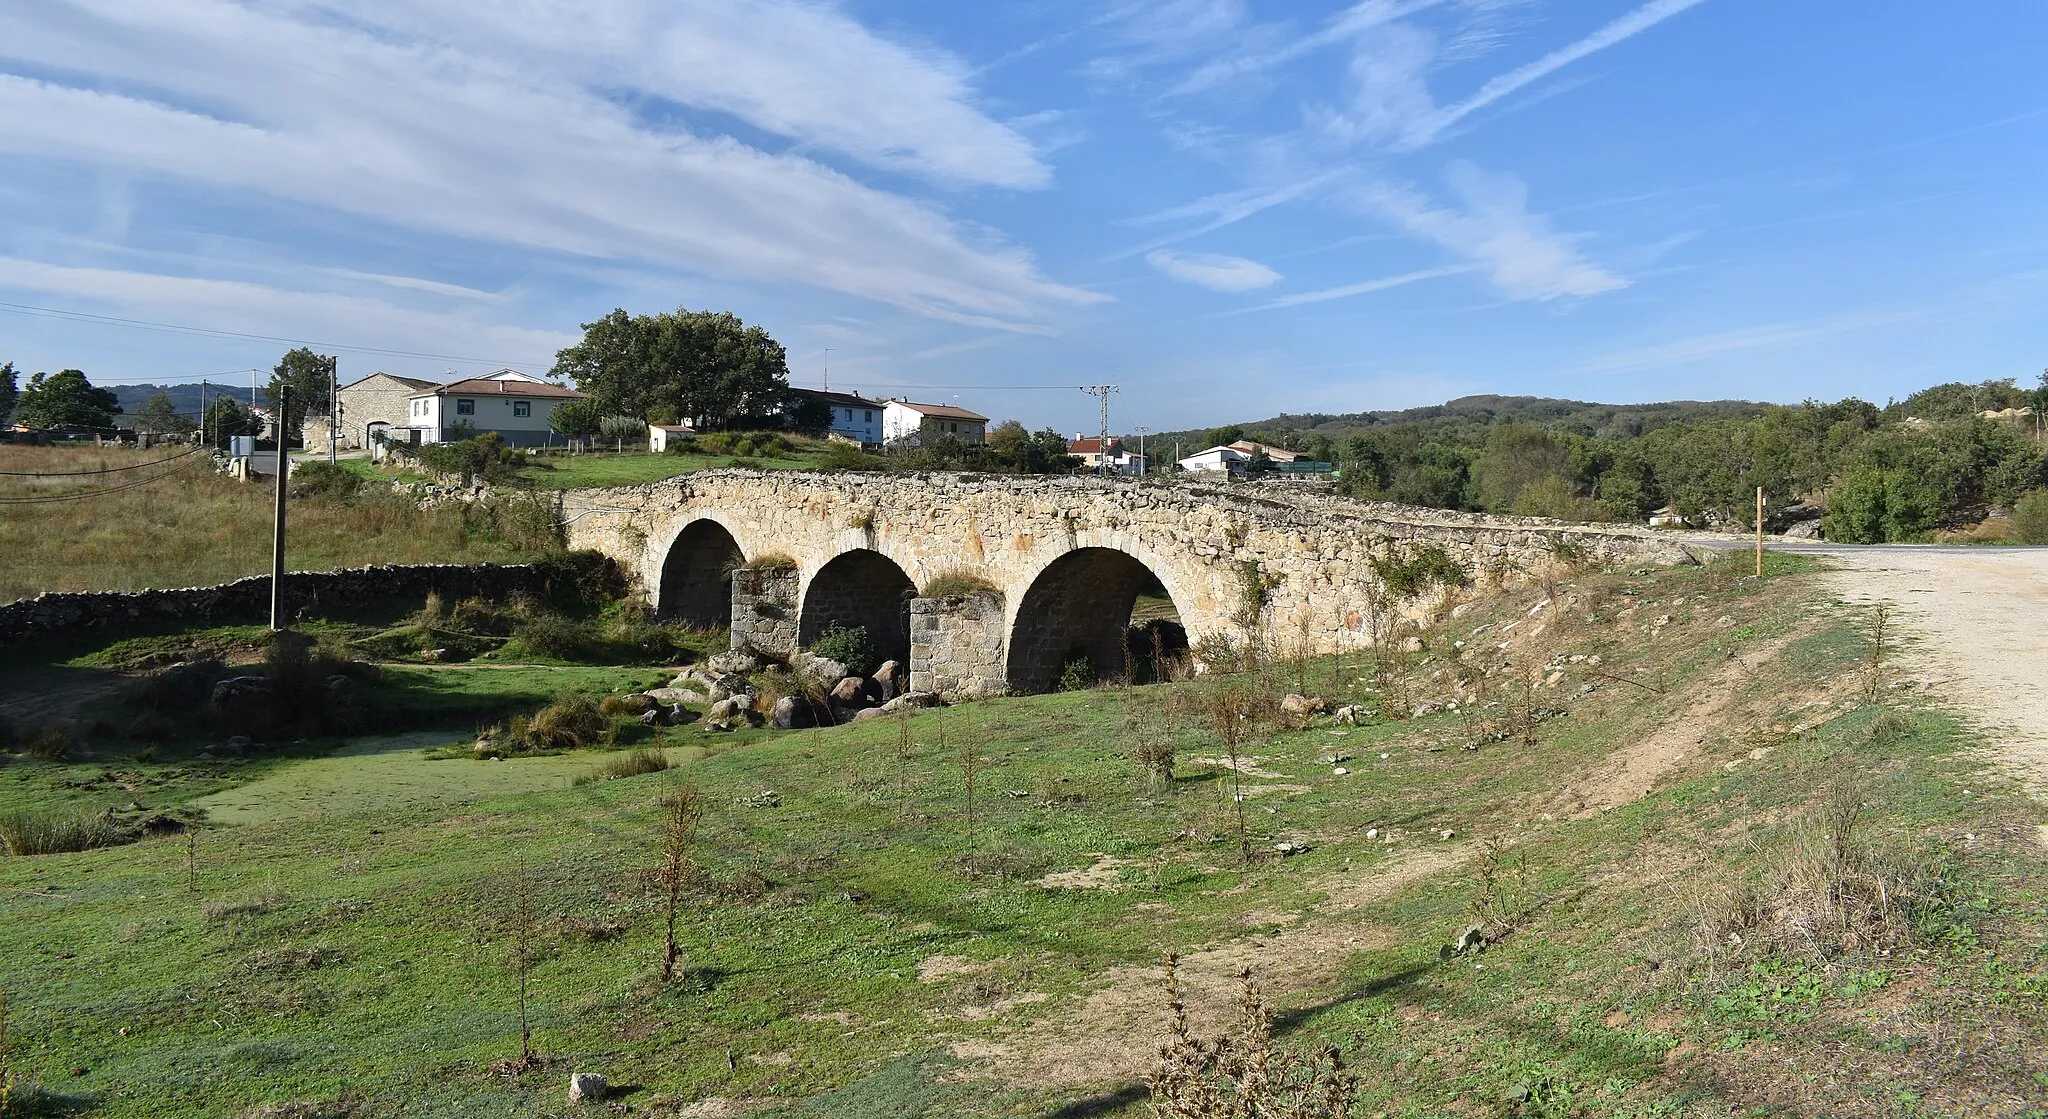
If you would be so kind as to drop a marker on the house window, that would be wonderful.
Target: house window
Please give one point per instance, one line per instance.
(465, 407)
(866, 417)
(522, 407)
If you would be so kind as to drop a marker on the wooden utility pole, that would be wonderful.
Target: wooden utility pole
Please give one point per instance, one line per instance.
(277, 523)
(1759, 531)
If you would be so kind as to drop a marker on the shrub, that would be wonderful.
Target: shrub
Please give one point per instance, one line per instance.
(51, 741)
(958, 581)
(484, 458)
(846, 456)
(50, 833)
(562, 638)
(327, 481)
(581, 578)
(849, 646)
(2029, 524)
(1076, 672)
(571, 722)
(1423, 567)
(638, 763)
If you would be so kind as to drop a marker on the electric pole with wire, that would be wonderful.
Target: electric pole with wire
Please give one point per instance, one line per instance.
(277, 525)
(1144, 464)
(1101, 392)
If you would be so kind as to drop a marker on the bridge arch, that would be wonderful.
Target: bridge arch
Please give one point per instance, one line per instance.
(1081, 604)
(696, 574)
(860, 587)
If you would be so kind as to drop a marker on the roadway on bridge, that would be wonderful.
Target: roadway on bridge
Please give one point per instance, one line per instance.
(1977, 622)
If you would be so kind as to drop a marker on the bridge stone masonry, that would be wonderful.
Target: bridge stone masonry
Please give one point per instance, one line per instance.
(1036, 570)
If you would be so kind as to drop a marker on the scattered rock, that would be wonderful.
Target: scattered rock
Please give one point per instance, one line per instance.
(1301, 706)
(652, 717)
(1290, 847)
(726, 687)
(680, 715)
(1339, 771)
(236, 688)
(817, 671)
(1372, 833)
(1353, 714)
(792, 713)
(1588, 689)
(586, 1087)
(675, 694)
(766, 798)
(635, 703)
(886, 678)
(1334, 759)
(1427, 708)
(864, 715)
(733, 662)
(1411, 644)
(913, 701)
(1662, 621)
(1447, 834)
(851, 691)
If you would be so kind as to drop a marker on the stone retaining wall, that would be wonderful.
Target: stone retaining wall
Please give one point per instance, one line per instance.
(327, 593)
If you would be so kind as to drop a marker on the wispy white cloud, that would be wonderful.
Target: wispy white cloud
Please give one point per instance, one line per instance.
(1346, 24)
(1213, 270)
(414, 283)
(1494, 229)
(239, 305)
(1348, 290)
(1391, 64)
(516, 131)
(1628, 26)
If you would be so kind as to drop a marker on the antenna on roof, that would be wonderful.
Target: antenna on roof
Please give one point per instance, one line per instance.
(828, 367)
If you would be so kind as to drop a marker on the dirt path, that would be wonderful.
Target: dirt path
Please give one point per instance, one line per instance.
(1974, 622)
(1092, 1044)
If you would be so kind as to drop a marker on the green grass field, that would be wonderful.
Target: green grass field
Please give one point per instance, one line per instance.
(869, 941)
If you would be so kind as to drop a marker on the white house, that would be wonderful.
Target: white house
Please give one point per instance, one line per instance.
(1120, 459)
(659, 436)
(1216, 460)
(903, 419)
(514, 405)
(853, 417)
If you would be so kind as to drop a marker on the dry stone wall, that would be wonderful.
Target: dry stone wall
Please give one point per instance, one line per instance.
(1204, 542)
(328, 593)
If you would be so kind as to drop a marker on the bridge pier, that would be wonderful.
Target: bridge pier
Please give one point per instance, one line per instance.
(764, 610)
(956, 645)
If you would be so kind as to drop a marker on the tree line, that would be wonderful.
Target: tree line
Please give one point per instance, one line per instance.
(1939, 459)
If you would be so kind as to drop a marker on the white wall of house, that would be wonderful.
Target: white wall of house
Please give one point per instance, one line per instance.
(660, 435)
(522, 420)
(861, 424)
(1215, 460)
(900, 419)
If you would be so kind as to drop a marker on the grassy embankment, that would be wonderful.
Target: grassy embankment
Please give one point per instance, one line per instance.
(869, 940)
(192, 527)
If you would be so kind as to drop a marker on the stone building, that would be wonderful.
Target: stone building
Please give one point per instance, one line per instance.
(377, 401)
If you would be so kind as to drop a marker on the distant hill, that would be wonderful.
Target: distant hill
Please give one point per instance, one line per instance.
(185, 398)
(1575, 417)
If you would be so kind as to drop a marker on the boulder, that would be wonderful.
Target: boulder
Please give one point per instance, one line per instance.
(852, 692)
(1804, 530)
(728, 687)
(236, 688)
(652, 717)
(885, 679)
(817, 671)
(1353, 714)
(733, 662)
(911, 701)
(586, 1087)
(636, 703)
(679, 715)
(792, 713)
(1300, 706)
(1411, 644)
(865, 714)
(673, 695)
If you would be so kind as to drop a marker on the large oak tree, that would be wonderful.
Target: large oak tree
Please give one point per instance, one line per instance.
(704, 367)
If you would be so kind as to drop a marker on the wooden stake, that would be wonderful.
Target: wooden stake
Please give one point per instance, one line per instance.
(1759, 532)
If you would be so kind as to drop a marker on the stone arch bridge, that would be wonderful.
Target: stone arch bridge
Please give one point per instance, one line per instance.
(992, 583)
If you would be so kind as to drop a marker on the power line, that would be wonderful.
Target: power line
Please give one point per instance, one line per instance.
(103, 470)
(236, 335)
(81, 496)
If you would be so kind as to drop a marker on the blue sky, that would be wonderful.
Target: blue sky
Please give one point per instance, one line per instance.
(1229, 208)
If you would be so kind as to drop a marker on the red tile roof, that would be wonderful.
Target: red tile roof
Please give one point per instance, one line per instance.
(1088, 447)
